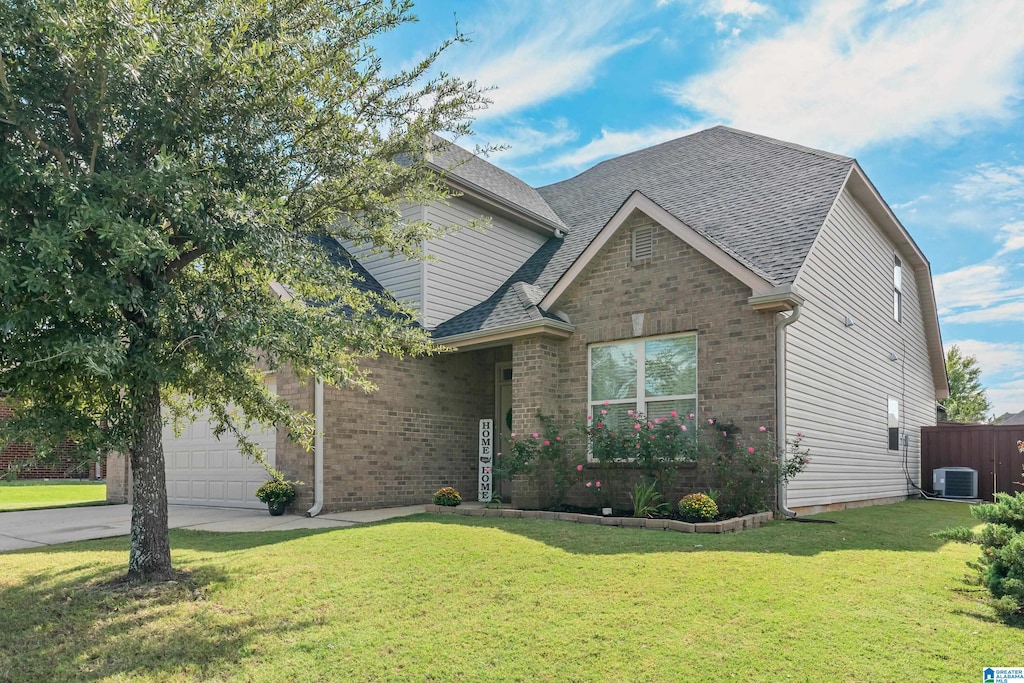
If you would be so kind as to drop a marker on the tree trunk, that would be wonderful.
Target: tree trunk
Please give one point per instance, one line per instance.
(150, 557)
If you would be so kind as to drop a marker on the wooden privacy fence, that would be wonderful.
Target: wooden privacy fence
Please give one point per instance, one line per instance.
(989, 449)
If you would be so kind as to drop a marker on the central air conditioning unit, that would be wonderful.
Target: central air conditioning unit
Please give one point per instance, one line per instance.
(955, 482)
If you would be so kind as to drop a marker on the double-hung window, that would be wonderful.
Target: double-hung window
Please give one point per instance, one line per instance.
(653, 376)
(894, 424)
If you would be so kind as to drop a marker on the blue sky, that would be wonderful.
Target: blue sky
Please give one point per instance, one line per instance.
(927, 95)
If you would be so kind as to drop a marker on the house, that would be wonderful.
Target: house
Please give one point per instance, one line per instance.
(1008, 419)
(768, 283)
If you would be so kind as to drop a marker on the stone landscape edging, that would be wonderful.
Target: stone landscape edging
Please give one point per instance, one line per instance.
(724, 526)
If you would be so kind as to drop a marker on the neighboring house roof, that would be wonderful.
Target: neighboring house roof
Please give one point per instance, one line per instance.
(759, 200)
(339, 256)
(478, 176)
(1017, 419)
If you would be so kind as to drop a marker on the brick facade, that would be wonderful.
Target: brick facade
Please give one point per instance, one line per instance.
(416, 433)
(677, 290)
(18, 459)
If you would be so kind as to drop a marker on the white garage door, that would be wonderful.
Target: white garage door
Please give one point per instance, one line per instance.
(204, 471)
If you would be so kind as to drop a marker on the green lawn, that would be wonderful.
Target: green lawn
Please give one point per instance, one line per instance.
(27, 494)
(432, 598)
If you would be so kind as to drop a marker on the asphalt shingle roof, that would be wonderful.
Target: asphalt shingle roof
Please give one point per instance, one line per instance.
(464, 165)
(760, 200)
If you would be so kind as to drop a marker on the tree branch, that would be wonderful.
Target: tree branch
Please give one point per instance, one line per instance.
(51, 150)
(69, 108)
(178, 264)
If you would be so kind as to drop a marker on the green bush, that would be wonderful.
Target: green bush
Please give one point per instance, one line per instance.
(647, 500)
(747, 470)
(448, 497)
(548, 457)
(698, 507)
(276, 491)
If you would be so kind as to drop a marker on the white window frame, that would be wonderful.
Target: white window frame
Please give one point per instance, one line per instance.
(640, 401)
(888, 423)
(897, 288)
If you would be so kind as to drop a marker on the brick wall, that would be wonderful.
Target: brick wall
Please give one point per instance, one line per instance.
(18, 457)
(417, 433)
(678, 290)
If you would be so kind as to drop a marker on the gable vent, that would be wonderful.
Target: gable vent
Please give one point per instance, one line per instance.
(643, 243)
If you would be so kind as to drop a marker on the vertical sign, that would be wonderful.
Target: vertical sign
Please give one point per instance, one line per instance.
(486, 460)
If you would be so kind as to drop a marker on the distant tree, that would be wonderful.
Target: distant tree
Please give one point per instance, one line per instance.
(967, 401)
(166, 166)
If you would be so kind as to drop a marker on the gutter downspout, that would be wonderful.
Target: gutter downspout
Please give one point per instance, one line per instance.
(780, 399)
(318, 450)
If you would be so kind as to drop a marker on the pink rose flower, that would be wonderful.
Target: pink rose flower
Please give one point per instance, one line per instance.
(652, 437)
(579, 468)
(629, 412)
(690, 416)
(597, 484)
(600, 424)
(607, 403)
(604, 412)
(762, 429)
(683, 428)
(750, 450)
(589, 418)
(710, 421)
(535, 435)
(513, 435)
(589, 484)
(673, 413)
(558, 438)
(724, 433)
(546, 442)
(636, 426)
(799, 434)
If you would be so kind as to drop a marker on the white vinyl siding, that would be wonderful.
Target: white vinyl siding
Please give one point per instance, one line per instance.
(469, 265)
(839, 378)
(401, 276)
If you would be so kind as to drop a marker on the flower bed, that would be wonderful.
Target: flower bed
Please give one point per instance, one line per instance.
(725, 526)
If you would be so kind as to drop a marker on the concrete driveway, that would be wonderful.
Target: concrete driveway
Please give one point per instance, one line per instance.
(35, 528)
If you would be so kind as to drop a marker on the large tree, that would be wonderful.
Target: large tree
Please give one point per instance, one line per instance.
(166, 166)
(967, 401)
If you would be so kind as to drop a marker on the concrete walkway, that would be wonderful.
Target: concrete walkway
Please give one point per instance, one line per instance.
(36, 528)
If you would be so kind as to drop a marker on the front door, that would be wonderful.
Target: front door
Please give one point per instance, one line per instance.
(503, 419)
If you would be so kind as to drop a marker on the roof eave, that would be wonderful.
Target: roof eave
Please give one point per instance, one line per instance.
(499, 336)
(502, 205)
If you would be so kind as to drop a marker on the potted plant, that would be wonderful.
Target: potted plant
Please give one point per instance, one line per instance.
(277, 494)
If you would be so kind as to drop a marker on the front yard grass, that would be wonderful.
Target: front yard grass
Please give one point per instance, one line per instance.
(28, 494)
(432, 598)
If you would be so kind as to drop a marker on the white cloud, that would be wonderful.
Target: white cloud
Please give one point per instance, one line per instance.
(741, 8)
(847, 75)
(993, 183)
(522, 140)
(1012, 237)
(533, 53)
(1006, 397)
(614, 143)
(978, 286)
(993, 357)
(1008, 312)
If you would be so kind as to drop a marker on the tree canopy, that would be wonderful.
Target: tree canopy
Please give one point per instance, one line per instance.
(967, 401)
(169, 168)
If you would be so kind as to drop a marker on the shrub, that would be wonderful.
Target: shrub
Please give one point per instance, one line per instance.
(656, 445)
(697, 507)
(276, 490)
(747, 471)
(647, 500)
(447, 496)
(545, 455)
(1000, 569)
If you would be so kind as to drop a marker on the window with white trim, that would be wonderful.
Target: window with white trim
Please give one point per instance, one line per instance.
(654, 376)
(897, 289)
(894, 424)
